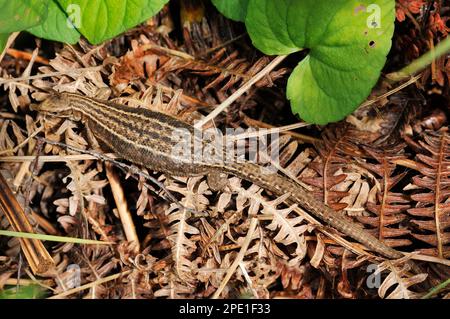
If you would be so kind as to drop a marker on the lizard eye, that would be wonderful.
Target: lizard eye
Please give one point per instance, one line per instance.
(55, 100)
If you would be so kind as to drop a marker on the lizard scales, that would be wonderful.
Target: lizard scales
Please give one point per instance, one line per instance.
(147, 138)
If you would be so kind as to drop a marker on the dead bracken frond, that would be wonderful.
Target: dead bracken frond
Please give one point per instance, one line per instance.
(335, 150)
(389, 208)
(287, 229)
(398, 282)
(385, 167)
(431, 191)
(182, 246)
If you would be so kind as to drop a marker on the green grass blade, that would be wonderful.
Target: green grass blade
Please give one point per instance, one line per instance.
(422, 62)
(436, 289)
(60, 239)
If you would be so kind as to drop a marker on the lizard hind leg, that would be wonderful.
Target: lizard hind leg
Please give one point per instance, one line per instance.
(92, 140)
(217, 181)
(94, 144)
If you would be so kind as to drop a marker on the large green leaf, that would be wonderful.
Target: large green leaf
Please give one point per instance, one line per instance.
(23, 292)
(233, 9)
(348, 42)
(18, 15)
(3, 39)
(56, 26)
(104, 19)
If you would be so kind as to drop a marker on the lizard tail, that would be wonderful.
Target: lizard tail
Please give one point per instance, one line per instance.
(280, 185)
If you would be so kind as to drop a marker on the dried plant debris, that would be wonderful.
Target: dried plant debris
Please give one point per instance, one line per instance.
(388, 207)
(385, 167)
(431, 192)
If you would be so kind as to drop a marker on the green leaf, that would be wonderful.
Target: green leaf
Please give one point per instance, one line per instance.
(99, 20)
(348, 42)
(232, 9)
(56, 26)
(18, 15)
(3, 40)
(23, 292)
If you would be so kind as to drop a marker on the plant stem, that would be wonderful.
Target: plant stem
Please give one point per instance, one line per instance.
(422, 62)
(436, 289)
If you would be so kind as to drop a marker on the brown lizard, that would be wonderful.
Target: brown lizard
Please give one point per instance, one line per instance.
(148, 138)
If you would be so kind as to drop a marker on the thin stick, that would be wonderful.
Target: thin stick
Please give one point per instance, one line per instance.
(267, 131)
(240, 91)
(393, 91)
(302, 137)
(239, 257)
(122, 206)
(176, 53)
(248, 279)
(431, 259)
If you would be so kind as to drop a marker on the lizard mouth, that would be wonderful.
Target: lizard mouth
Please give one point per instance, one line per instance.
(34, 107)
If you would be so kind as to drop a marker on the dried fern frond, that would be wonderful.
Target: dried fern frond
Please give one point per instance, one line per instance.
(182, 246)
(335, 151)
(288, 228)
(398, 282)
(431, 214)
(222, 71)
(388, 208)
(172, 288)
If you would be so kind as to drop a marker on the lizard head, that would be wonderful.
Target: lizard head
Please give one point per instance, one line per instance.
(57, 105)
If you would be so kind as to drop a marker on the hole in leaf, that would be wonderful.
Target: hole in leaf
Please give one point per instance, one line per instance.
(372, 44)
